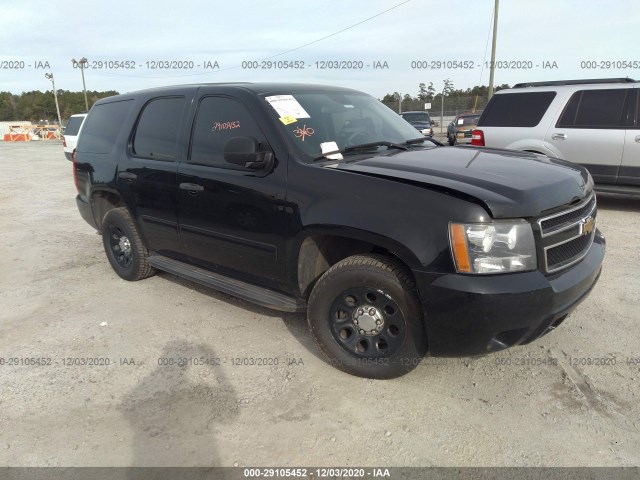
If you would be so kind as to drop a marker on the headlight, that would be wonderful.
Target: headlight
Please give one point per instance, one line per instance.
(426, 131)
(493, 247)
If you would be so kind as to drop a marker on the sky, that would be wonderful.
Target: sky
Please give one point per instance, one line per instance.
(412, 41)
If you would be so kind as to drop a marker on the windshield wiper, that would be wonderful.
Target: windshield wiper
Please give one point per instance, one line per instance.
(363, 146)
(415, 141)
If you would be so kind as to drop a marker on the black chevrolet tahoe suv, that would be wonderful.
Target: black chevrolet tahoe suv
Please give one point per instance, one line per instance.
(321, 199)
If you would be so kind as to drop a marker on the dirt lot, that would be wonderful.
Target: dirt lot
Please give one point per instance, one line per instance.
(571, 398)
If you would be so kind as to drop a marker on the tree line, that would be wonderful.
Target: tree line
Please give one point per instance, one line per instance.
(37, 106)
(454, 99)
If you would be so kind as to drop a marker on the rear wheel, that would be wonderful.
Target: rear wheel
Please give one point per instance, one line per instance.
(127, 255)
(365, 316)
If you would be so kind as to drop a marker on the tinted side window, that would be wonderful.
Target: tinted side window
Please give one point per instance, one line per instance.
(73, 125)
(103, 126)
(157, 131)
(219, 119)
(594, 109)
(516, 109)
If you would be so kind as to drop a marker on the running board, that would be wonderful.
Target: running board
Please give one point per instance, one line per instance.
(237, 288)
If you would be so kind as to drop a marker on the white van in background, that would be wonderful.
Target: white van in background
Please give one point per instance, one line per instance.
(71, 133)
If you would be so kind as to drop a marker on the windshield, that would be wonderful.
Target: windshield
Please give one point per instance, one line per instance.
(322, 121)
(416, 117)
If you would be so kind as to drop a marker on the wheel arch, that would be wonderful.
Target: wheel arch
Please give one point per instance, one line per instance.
(534, 146)
(320, 247)
(103, 200)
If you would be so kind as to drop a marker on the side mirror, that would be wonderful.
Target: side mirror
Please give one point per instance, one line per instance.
(244, 151)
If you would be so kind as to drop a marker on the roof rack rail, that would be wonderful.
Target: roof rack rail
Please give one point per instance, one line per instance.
(575, 82)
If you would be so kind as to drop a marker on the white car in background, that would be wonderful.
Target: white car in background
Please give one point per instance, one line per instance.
(595, 123)
(71, 134)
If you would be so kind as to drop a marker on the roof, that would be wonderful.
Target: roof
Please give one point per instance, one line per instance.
(587, 81)
(257, 88)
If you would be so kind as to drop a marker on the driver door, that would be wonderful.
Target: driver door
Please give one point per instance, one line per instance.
(231, 218)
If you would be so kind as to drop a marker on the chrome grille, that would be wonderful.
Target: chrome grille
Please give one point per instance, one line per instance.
(568, 235)
(568, 251)
(567, 218)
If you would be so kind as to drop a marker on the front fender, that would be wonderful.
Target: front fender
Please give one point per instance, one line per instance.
(407, 219)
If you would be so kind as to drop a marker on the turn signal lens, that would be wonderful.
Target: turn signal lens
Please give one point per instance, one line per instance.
(460, 250)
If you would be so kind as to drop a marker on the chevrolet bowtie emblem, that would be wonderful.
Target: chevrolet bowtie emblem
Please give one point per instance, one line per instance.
(587, 225)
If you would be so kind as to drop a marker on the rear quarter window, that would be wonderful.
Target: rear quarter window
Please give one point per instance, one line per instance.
(595, 109)
(103, 125)
(516, 109)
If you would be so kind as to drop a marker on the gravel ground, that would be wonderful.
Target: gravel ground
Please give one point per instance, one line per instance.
(571, 398)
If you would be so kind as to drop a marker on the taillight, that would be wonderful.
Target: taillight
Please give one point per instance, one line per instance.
(64, 142)
(477, 138)
(74, 157)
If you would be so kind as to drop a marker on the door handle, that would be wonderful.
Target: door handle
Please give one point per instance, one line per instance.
(192, 188)
(559, 136)
(128, 176)
(637, 138)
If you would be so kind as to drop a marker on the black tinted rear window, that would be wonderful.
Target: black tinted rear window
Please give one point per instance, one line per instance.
(73, 125)
(467, 120)
(516, 109)
(103, 126)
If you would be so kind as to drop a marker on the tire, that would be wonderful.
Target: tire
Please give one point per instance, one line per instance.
(127, 255)
(376, 293)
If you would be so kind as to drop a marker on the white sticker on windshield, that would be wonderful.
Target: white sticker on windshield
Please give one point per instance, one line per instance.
(327, 147)
(460, 121)
(287, 106)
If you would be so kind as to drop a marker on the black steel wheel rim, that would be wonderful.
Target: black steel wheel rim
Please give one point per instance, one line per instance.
(120, 246)
(367, 322)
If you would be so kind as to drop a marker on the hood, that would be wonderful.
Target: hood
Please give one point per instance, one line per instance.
(511, 184)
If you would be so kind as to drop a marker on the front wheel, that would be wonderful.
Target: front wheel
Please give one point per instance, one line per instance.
(365, 316)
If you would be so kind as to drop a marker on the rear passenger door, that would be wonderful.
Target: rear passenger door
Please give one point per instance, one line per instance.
(149, 177)
(231, 218)
(630, 167)
(591, 130)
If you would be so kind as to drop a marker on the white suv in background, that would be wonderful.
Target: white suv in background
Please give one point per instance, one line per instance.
(595, 123)
(71, 133)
